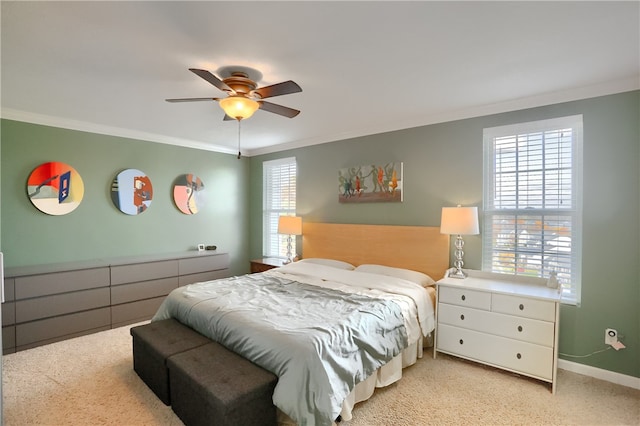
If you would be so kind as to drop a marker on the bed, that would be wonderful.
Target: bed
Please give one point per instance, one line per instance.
(334, 326)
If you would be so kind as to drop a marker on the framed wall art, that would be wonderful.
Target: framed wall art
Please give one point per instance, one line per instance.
(131, 191)
(371, 183)
(55, 188)
(188, 193)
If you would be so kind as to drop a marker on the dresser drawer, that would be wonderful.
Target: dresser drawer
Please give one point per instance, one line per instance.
(523, 307)
(203, 264)
(126, 293)
(145, 271)
(528, 358)
(524, 329)
(464, 297)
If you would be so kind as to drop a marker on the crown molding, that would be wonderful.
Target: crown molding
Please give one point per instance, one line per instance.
(609, 88)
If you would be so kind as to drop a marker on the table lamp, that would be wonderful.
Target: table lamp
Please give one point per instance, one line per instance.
(459, 221)
(289, 225)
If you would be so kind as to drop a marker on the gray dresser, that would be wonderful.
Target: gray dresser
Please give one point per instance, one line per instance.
(48, 303)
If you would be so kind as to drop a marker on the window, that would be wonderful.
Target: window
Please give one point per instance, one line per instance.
(279, 198)
(533, 201)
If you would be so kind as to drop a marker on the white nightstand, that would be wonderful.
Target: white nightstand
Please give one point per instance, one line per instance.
(506, 321)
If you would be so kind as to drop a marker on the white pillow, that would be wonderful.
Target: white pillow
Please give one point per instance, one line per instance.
(406, 274)
(329, 262)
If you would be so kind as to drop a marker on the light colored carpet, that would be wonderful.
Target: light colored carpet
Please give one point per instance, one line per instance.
(90, 381)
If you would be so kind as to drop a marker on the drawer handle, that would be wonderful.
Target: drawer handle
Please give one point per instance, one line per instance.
(461, 341)
(518, 356)
(520, 328)
(521, 307)
(464, 297)
(462, 317)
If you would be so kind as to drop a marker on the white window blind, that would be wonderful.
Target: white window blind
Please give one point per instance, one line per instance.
(279, 199)
(533, 201)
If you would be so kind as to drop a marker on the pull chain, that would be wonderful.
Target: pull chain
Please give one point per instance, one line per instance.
(239, 120)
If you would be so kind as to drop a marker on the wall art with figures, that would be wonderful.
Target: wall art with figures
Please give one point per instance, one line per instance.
(371, 183)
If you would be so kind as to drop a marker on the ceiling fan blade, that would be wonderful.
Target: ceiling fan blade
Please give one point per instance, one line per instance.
(192, 99)
(278, 109)
(211, 79)
(228, 118)
(279, 89)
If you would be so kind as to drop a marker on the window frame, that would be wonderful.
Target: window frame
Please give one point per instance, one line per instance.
(278, 199)
(571, 288)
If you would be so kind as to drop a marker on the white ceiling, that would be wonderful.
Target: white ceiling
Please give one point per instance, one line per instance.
(364, 67)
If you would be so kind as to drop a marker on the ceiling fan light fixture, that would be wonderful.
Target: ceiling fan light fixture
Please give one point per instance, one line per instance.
(239, 107)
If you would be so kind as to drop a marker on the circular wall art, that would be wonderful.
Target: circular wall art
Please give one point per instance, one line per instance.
(188, 193)
(131, 191)
(55, 188)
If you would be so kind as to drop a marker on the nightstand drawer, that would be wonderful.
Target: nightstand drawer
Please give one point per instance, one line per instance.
(524, 329)
(514, 355)
(464, 297)
(523, 307)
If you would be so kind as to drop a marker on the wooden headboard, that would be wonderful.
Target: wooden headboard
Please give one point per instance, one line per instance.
(420, 248)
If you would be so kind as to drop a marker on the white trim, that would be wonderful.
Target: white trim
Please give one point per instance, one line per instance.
(599, 373)
(273, 190)
(572, 121)
(82, 126)
(490, 137)
(278, 162)
(543, 99)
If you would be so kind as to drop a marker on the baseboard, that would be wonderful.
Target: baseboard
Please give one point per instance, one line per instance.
(599, 373)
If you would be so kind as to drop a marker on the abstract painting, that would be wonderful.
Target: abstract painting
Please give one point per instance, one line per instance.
(371, 183)
(55, 188)
(131, 191)
(188, 193)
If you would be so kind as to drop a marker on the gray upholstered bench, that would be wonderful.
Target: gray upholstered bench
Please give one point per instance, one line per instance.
(211, 385)
(153, 344)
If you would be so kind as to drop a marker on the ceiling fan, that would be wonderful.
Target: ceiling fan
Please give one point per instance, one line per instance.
(243, 96)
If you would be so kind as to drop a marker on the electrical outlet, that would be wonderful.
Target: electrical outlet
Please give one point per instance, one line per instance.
(610, 336)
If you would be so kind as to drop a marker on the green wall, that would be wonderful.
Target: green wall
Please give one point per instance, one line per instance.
(443, 167)
(97, 229)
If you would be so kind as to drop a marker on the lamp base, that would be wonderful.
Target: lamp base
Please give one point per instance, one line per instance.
(457, 273)
(289, 259)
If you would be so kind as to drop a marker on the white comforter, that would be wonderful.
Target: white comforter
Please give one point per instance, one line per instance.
(228, 311)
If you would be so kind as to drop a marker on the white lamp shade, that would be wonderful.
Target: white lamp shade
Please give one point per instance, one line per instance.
(459, 221)
(290, 225)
